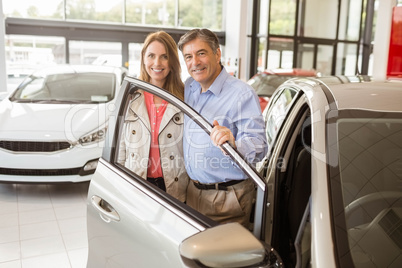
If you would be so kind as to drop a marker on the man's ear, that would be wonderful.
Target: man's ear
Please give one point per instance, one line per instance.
(218, 54)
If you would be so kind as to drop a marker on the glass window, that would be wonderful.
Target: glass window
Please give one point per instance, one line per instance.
(280, 54)
(262, 54)
(282, 17)
(305, 57)
(134, 58)
(98, 10)
(25, 54)
(151, 12)
(324, 59)
(34, 50)
(319, 19)
(205, 14)
(101, 53)
(34, 9)
(274, 59)
(346, 59)
(349, 23)
(263, 28)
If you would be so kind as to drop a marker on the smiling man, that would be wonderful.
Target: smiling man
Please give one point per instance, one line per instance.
(219, 189)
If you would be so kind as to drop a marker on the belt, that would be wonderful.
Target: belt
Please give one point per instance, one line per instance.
(216, 186)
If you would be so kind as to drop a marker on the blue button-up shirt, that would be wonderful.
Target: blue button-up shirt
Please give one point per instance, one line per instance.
(234, 104)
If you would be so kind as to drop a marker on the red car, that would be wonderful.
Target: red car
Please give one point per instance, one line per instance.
(265, 83)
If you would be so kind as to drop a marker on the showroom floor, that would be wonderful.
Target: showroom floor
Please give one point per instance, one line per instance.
(43, 225)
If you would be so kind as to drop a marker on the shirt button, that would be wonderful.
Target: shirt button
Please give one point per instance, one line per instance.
(177, 118)
(169, 135)
(171, 157)
(176, 179)
(133, 132)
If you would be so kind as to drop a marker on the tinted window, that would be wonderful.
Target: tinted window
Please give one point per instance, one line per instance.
(278, 111)
(366, 161)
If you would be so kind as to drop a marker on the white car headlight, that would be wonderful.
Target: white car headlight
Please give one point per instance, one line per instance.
(93, 137)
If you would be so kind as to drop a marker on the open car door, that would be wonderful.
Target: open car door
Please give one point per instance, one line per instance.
(132, 223)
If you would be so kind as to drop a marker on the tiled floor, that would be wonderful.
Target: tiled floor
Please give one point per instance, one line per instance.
(43, 225)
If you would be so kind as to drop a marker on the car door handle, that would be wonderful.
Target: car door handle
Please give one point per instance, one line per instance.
(106, 211)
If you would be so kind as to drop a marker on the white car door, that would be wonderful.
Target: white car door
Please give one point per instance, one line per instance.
(132, 223)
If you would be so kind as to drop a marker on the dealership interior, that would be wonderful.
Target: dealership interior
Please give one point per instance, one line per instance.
(44, 224)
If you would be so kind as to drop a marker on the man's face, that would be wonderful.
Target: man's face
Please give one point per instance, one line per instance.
(202, 64)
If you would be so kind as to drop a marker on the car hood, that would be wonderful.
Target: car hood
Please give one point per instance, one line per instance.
(43, 122)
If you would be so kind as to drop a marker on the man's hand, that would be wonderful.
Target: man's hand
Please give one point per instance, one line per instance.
(221, 134)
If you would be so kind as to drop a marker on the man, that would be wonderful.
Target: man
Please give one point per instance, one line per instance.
(219, 189)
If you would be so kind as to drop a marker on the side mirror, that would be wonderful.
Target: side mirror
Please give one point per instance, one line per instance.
(227, 245)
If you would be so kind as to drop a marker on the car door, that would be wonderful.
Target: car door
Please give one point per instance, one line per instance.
(132, 223)
(288, 175)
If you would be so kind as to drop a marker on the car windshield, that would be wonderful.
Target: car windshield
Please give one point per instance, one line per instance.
(366, 186)
(67, 87)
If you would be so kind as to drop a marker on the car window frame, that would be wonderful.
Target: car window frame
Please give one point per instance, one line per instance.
(285, 141)
(271, 105)
(284, 144)
(110, 153)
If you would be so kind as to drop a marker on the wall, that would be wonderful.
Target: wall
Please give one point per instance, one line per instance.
(3, 72)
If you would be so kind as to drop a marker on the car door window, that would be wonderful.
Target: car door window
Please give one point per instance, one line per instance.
(277, 111)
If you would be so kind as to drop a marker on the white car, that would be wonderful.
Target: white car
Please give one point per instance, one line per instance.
(329, 192)
(52, 127)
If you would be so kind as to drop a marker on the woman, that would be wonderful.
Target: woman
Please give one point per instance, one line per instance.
(152, 142)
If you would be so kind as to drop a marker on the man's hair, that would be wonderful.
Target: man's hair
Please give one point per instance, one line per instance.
(203, 34)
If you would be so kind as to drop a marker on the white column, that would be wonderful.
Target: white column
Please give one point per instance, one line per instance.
(236, 37)
(382, 39)
(3, 71)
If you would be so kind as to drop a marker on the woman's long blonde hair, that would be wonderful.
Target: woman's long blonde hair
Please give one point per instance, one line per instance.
(173, 83)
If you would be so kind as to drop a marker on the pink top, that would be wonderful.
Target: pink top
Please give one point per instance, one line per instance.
(155, 118)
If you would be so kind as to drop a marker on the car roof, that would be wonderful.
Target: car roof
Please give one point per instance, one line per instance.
(358, 93)
(374, 95)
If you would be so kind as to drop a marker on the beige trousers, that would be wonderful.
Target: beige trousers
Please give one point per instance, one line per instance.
(233, 205)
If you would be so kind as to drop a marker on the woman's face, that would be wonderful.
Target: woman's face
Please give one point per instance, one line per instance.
(156, 63)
